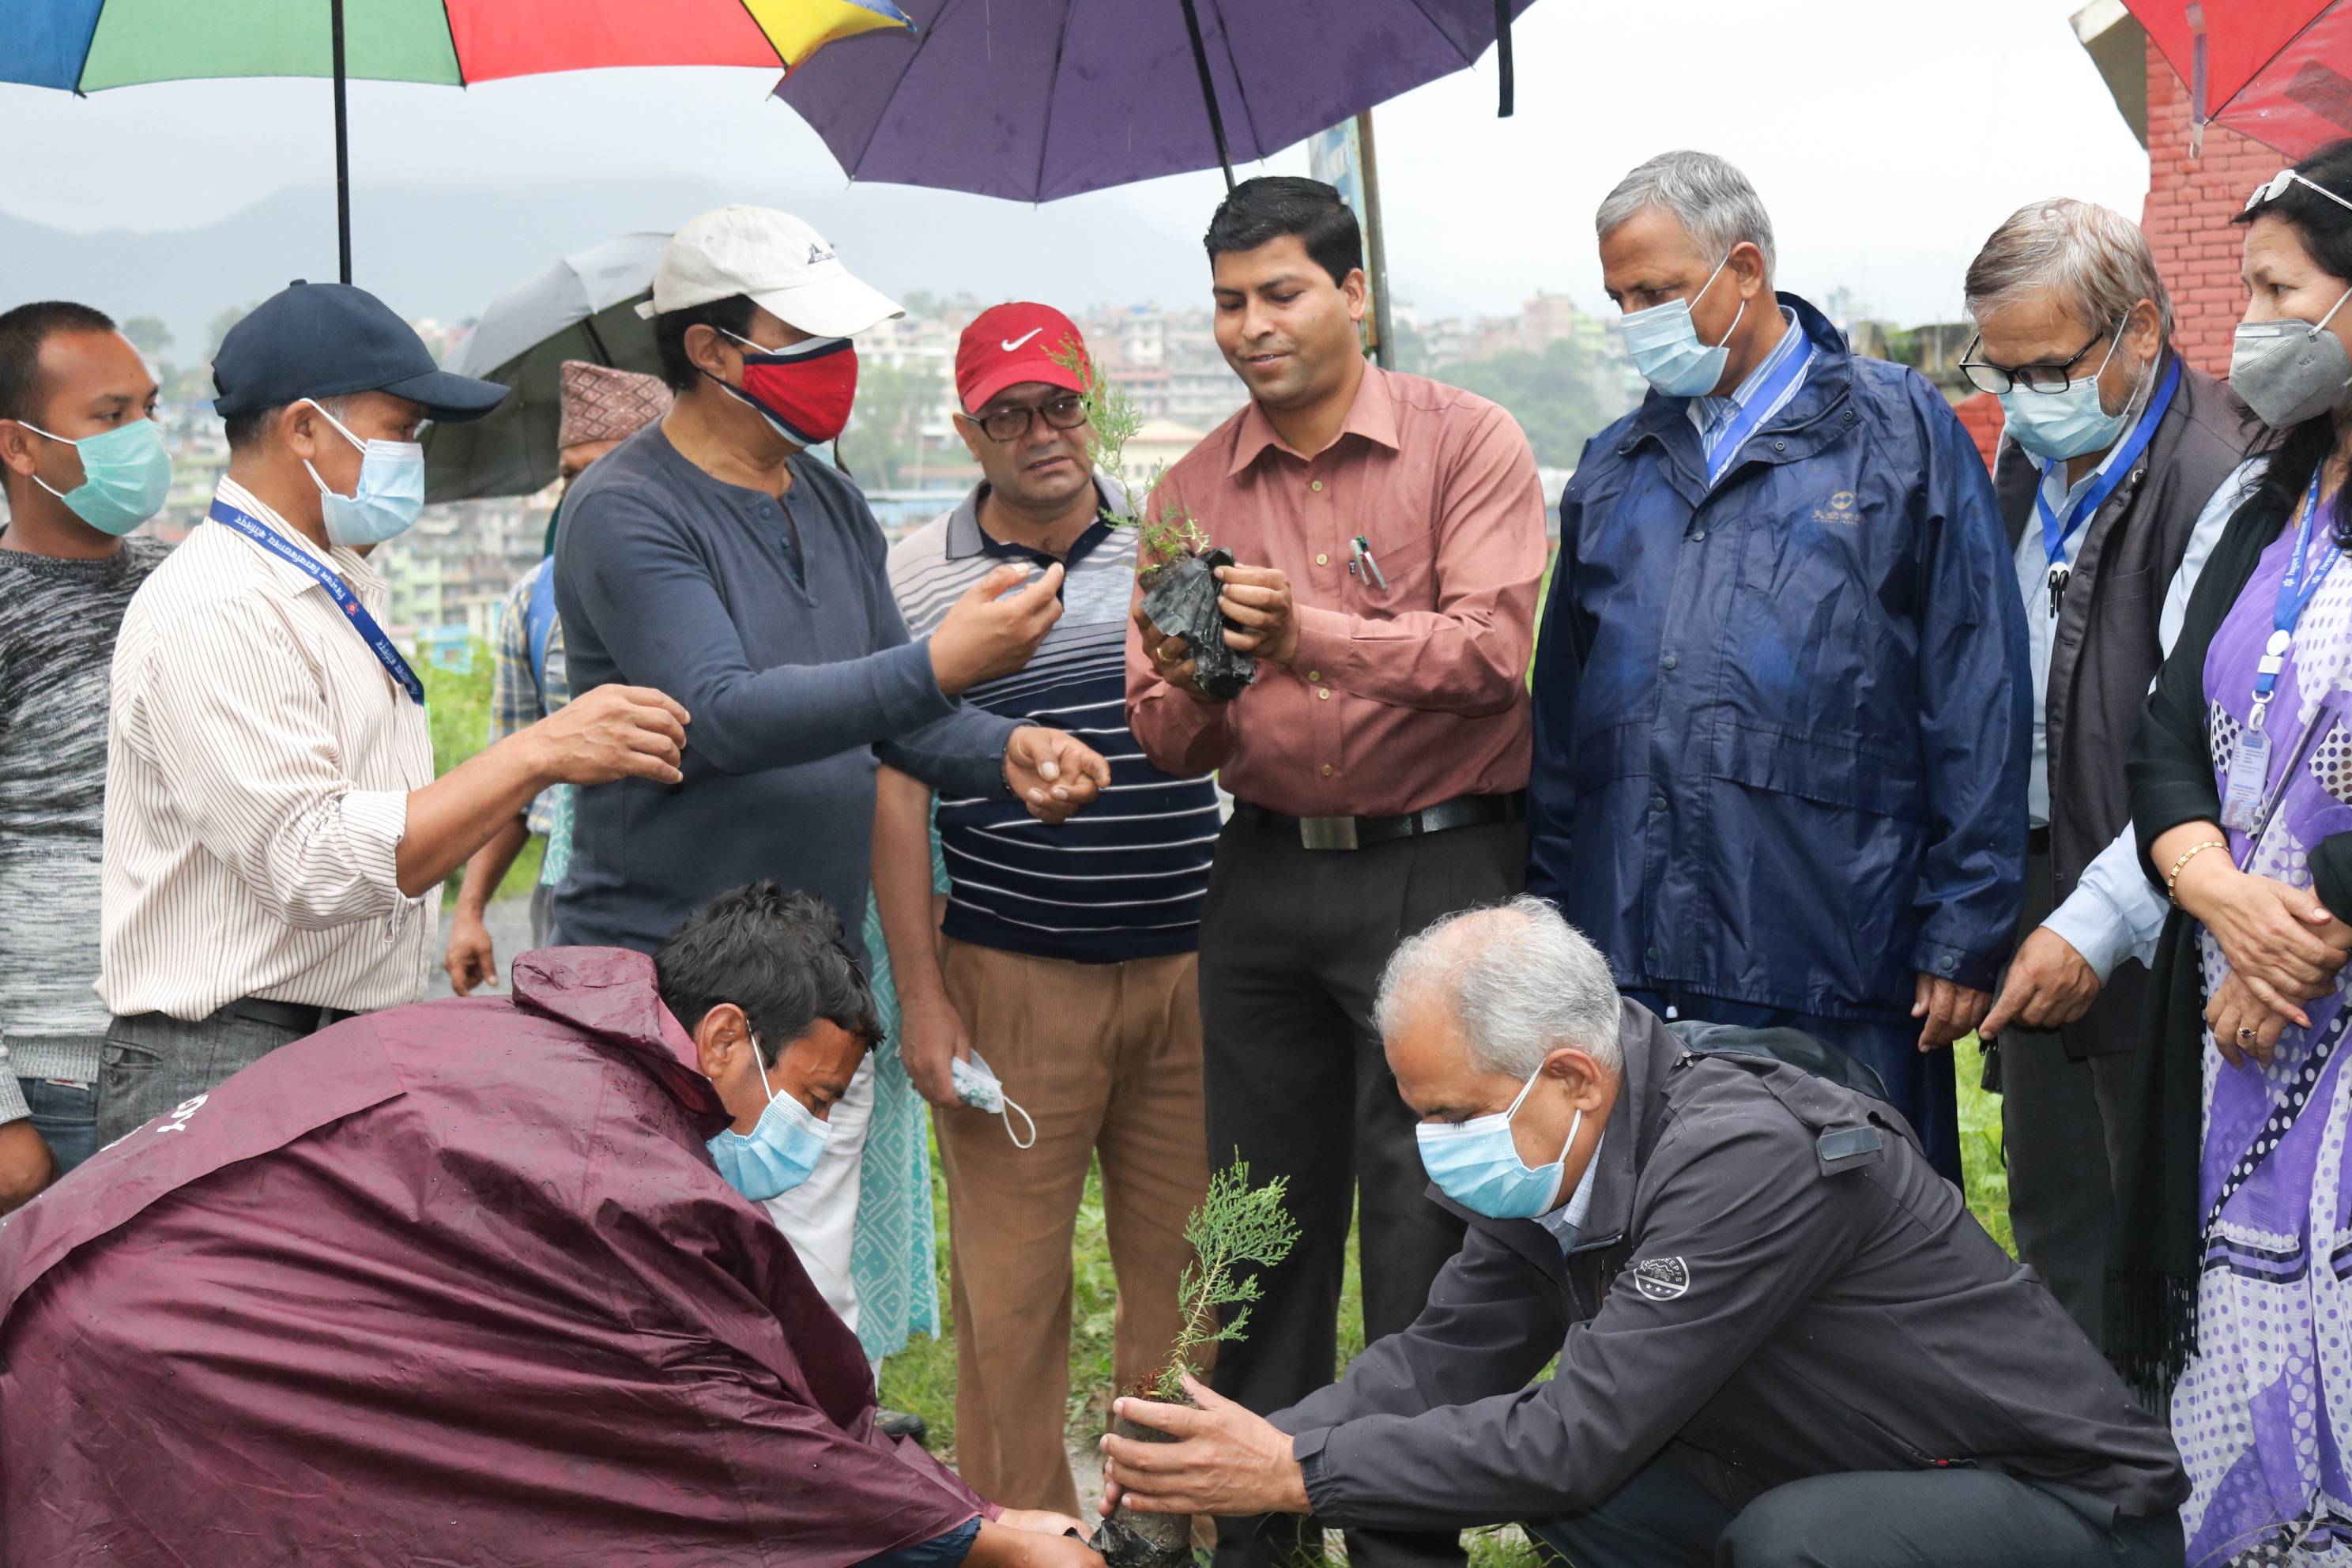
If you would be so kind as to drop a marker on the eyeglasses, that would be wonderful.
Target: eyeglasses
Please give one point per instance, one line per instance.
(2278, 185)
(1997, 379)
(1003, 425)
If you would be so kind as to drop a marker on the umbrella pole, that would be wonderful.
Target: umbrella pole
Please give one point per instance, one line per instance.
(1503, 56)
(342, 144)
(1208, 90)
(1376, 250)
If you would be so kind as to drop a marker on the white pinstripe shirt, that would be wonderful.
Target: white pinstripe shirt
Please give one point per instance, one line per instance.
(258, 766)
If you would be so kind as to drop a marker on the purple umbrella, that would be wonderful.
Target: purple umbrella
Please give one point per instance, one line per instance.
(1032, 100)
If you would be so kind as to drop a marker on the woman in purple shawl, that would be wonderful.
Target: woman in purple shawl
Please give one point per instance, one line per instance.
(2233, 1245)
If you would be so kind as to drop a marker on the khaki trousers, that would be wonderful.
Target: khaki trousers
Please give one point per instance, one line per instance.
(1106, 1058)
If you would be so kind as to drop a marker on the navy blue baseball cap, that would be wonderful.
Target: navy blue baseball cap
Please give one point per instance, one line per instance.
(329, 339)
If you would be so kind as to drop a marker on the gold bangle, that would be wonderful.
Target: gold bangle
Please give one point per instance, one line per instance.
(2172, 878)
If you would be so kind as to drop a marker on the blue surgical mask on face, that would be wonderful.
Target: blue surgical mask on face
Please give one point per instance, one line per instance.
(1477, 1164)
(2054, 425)
(1665, 344)
(780, 1151)
(389, 495)
(126, 472)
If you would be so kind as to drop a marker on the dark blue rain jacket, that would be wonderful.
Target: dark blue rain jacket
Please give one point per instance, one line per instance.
(1781, 728)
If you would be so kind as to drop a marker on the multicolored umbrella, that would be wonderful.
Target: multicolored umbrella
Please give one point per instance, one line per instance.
(82, 45)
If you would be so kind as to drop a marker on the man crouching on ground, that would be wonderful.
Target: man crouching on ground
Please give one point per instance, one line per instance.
(481, 1280)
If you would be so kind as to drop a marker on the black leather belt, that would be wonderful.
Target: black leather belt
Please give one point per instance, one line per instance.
(295, 1016)
(1355, 832)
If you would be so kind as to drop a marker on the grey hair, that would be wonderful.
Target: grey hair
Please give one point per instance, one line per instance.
(2097, 260)
(1711, 199)
(1520, 982)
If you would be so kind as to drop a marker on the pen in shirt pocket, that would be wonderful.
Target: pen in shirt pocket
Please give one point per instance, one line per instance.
(1362, 551)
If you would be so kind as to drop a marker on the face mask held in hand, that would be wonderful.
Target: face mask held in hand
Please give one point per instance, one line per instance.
(805, 391)
(391, 490)
(780, 1151)
(1665, 348)
(977, 1086)
(126, 472)
(2289, 370)
(2054, 425)
(1477, 1164)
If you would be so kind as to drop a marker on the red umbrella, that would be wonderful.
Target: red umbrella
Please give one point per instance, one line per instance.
(2277, 71)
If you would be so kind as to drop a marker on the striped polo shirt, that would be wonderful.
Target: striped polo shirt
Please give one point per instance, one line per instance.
(1126, 876)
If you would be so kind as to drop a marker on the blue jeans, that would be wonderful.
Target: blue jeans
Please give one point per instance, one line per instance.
(66, 1116)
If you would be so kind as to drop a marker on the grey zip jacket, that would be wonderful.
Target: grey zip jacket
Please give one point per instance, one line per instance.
(1771, 1279)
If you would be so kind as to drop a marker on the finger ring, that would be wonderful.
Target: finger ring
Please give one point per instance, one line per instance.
(2245, 1034)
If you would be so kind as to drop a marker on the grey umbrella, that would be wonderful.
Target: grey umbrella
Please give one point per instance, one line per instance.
(582, 308)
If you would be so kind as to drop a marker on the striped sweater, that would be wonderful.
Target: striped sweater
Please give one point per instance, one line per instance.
(58, 621)
(1123, 878)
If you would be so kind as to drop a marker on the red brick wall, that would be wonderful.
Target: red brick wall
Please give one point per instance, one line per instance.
(2187, 216)
(1980, 414)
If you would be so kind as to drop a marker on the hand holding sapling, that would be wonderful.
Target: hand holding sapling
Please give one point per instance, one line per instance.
(1233, 1226)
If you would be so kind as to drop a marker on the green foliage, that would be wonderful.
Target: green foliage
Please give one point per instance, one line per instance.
(883, 445)
(1236, 1225)
(148, 334)
(1551, 394)
(1984, 1161)
(1112, 420)
(457, 712)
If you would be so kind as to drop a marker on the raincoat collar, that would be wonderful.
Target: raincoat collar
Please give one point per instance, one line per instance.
(609, 995)
(1372, 416)
(1800, 429)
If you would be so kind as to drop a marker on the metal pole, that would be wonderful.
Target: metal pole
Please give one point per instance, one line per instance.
(1208, 90)
(342, 145)
(1376, 250)
(1502, 56)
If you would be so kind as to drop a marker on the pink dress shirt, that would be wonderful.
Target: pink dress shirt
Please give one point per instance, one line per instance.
(1401, 696)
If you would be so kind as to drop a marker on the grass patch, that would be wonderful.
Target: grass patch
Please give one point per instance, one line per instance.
(1984, 1163)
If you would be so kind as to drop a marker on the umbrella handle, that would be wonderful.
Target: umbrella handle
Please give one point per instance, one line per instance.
(1503, 56)
(1208, 88)
(342, 143)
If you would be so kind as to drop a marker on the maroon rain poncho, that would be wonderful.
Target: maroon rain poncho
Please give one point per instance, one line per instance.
(454, 1283)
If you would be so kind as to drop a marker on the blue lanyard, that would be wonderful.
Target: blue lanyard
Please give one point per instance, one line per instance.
(2056, 532)
(2296, 586)
(1752, 412)
(338, 590)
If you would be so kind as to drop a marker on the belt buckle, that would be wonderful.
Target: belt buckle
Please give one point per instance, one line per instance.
(1326, 832)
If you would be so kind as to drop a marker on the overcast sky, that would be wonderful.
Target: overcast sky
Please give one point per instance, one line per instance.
(1886, 138)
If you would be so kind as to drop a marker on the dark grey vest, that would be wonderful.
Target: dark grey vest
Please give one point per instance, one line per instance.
(2105, 652)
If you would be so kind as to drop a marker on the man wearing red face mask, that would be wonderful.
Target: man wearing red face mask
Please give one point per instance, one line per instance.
(711, 548)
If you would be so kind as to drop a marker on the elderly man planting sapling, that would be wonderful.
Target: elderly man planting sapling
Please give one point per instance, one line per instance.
(1781, 1337)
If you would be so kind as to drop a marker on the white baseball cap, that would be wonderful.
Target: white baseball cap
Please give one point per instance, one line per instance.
(782, 264)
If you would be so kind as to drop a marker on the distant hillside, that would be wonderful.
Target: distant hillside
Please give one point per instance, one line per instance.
(445, 251)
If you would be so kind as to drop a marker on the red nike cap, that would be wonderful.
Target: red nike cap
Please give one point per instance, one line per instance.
(1008, 344)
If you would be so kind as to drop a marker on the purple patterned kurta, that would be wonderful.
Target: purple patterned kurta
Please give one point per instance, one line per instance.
(2265, 1409)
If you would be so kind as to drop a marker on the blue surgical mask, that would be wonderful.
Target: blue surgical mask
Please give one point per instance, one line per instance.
(391, 490)
(126, 472)
(2054, 425)
(778, 1153)
(1477, 1164)
(1666, 347)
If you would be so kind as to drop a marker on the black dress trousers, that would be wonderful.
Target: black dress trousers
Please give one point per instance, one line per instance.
(1292, 944)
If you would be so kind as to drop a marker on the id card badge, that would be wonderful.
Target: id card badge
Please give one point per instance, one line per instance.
(2250, 767)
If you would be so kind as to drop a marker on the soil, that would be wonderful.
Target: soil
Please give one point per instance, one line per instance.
(1181, 597)
(1131, 1539)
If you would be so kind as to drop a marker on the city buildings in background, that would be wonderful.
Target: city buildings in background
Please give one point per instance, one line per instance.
(1562, 372)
